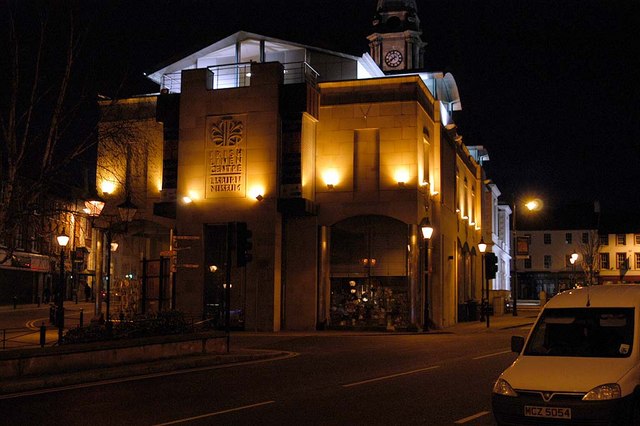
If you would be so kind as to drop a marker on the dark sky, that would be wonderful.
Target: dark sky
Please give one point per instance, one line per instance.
(549, 87)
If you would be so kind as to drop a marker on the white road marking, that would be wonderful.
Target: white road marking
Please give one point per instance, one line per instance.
(475, 416)
(217, 413)
(390, 376)
(493, 354)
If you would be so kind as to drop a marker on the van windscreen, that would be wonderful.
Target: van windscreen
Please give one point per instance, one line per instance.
(583, 332)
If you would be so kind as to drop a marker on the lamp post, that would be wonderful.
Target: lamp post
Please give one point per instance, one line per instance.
(572, 259)
(531, 205)
(482, 246)
(427, 232)
(63, 240)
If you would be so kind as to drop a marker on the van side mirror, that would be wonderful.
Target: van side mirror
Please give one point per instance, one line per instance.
(517, 343)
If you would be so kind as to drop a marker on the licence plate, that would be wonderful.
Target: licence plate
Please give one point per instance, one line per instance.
(547, 412)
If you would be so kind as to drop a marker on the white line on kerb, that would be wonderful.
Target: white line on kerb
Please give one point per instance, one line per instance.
(391, 376)
(494, 354)
(203, 416)
(468, 419)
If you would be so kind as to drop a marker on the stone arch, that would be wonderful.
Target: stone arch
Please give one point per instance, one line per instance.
(369, 273)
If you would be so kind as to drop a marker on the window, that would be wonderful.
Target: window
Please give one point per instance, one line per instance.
(547, 261)
(568, 238)
(637, 238)
(585, 238)
(621, 261)
(637, 261)
(527, 263)
(621, 239)
(547, 238)
(604, 240)
(583, 332)
(604, 260)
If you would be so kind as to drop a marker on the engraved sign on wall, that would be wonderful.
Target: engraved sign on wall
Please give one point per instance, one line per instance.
(226, 159)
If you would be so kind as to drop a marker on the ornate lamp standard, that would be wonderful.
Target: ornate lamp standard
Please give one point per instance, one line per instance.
(63, 240)
(427, 232)
(482, 246)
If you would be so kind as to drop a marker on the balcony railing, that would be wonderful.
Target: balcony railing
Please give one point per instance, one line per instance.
(239, 75)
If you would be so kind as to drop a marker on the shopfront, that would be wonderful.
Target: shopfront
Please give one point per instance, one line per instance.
(369, 274)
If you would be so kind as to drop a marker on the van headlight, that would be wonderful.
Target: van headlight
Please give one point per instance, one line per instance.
(502, 387)
(603, 392)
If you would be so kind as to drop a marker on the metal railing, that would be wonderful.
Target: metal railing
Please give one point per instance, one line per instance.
(239, 75)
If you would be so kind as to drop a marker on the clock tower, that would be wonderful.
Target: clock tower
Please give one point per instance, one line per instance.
(395, 43)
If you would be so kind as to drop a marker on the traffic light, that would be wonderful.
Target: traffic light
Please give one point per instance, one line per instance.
(490, 265)
(243, 244)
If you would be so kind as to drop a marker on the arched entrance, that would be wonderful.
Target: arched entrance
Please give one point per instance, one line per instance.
(369, 273)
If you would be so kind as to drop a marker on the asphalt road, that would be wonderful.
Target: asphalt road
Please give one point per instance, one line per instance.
(330, 379)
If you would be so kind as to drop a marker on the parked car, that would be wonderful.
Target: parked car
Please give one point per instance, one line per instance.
(580, 363)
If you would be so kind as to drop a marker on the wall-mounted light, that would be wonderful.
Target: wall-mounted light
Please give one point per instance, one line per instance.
(213, 268)
(257, 192)
(331, 178)
(108, 187)
(401, 176)
(114, 246)
(187, 200)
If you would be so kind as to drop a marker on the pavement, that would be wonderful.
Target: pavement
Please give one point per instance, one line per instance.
(525, 318)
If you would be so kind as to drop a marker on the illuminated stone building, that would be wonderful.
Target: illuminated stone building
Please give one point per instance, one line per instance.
(333, 162)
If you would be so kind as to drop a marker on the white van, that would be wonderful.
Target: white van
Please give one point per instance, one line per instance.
(580, 363)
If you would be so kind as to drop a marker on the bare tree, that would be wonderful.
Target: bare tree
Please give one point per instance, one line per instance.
(48, 119)
(590, 252)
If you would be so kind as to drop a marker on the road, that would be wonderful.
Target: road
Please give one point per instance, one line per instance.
(21, 327)
(330, 379)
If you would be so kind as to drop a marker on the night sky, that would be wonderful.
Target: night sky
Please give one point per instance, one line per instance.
(550, 87)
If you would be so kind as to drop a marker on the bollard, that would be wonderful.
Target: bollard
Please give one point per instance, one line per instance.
(43, 335)
(81, 317)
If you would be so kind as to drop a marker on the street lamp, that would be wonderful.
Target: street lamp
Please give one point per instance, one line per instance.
(572, 259)
(531, 205)
(63, 240)
(427, 232)
(482, 246)
(126, 212)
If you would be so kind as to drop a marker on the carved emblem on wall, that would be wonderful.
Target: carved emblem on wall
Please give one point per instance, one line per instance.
(227, 132)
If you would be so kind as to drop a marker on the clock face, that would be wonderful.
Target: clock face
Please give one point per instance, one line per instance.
(393, 58)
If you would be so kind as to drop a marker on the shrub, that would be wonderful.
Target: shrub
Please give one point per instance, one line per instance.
(158, 324)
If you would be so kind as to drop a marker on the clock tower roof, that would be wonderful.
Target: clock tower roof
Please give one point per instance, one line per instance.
(396, 16)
